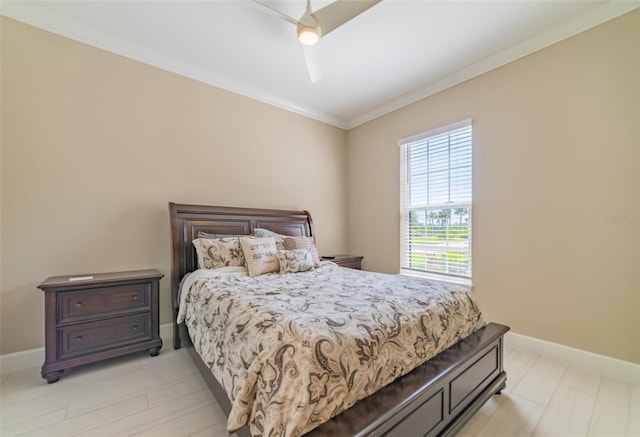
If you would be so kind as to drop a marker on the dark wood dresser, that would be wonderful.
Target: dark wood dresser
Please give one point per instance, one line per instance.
(98, 316)
(350, 261)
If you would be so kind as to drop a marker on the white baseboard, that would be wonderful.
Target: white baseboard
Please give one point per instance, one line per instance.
(611, 367)
(166, 334)
(607, 366)
(18, 361)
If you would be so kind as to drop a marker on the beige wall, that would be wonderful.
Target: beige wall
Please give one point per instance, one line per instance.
(95, 145)
(556, 152)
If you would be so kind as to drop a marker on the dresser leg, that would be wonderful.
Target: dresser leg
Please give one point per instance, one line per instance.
(154, 351)
(52, 376)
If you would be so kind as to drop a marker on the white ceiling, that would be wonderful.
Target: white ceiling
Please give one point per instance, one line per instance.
(395, 53)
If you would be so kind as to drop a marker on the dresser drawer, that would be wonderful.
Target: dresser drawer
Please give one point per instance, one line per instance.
(103, 301)
(92, 337)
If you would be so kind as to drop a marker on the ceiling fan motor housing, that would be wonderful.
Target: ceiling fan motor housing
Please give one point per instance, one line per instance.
(309, 30)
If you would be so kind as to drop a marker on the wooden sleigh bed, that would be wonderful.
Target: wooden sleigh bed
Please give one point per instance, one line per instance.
(436, 398)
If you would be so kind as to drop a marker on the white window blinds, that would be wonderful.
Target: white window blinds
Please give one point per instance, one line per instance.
(436, 201)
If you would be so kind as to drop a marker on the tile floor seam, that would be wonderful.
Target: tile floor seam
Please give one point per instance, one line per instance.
(67, 419)
(66, 410)
(9, 424)
(156, 423)
(578, 389)
(546, 406)
(110, 404)
(524, 373)
(142, 391)
(86, 430)
(179, 397)
(500, 401)
(594, 405)
(214, 424)
(593, 409)
(175, 418)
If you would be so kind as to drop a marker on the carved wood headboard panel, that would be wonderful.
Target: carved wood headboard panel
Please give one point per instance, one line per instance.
(188, 220)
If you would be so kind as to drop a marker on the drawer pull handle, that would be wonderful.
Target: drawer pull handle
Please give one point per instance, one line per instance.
(79, 338)
(79, 304)
(135, 328)
(135, 298)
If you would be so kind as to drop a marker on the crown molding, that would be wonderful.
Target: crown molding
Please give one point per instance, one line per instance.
(43, 19)
(37, 17)
(592, 18)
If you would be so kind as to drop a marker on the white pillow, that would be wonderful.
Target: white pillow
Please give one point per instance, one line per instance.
(261, 255)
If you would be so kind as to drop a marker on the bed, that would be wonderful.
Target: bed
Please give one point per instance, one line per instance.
(435, 398)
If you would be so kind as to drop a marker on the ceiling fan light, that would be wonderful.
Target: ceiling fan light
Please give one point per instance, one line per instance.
(308, 35)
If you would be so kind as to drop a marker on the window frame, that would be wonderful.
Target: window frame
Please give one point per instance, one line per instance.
(405, 208)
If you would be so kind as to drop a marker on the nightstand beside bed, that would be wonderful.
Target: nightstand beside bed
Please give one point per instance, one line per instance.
(350, 261)
(94, 317)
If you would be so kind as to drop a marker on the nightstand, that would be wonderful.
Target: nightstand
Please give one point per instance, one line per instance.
(350, 261)
(94, 317)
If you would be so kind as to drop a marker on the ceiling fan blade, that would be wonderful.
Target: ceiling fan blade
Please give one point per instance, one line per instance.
(313, 66)
(275, 12)
(339, 12)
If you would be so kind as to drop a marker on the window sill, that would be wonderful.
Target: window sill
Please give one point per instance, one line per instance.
(436, 277)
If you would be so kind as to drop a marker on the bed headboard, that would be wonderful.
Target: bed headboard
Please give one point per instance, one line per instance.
(188, 220)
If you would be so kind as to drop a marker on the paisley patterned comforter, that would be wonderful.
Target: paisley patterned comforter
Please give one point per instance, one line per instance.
(293, 350)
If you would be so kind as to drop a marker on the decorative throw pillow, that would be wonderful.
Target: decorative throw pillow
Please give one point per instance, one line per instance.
(261, 255)
(264, 233)
(307, 243)
(296, 260)
(219, 252)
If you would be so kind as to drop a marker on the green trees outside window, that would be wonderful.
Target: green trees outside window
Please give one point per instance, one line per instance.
(439, 240)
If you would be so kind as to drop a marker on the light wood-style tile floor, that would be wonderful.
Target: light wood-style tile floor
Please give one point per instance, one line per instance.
(165, 396)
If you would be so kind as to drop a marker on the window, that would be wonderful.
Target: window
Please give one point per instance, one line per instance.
(436, 202)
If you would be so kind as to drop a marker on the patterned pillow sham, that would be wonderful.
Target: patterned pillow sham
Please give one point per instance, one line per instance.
(219, 252)
(202, 234)
(294, 261)
(307, 243)
(261, 255)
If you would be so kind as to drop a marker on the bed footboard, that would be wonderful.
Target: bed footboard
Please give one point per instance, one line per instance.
(437, 398)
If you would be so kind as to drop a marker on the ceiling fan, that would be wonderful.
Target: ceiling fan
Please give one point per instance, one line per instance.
(315, 24)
